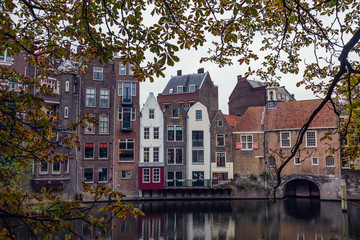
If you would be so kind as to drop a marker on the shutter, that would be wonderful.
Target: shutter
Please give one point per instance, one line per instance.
(255, 145)
(238, 145)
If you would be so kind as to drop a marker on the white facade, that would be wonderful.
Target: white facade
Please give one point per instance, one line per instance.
(198, 147)
(151, 133)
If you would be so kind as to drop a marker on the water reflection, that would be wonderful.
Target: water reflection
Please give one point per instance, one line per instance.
(296, 219)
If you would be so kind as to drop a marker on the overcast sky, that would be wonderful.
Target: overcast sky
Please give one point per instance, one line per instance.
(225, 78)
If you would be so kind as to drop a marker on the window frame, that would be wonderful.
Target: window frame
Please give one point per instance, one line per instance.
(92, 173)
(198, 115)
(220, 123)
(104, 98)
(131, 72)
(308, 139)
(282, 139)
(146, 154)
(297, 161)
(156, 175)
(245, 141)
(217, 140)
(97, 73)
(219, 156)
(197, 152)
(67, 86)
(52, 168)
(146, 133)
(90, 125)
(151, 113)
(127, 174)
(175, 113)
(107, 150)
(197, 142)
(90, 96)
(122, 68)
(156, 154)
(107, 175)
(85, 146)
(43, 162)
(66, 112)
(156, 131)
(317, 161)
(175, 156)
(327, 159)
(127, 141)
(104, 126)
(147, 175)
(192, 86)
(180, 89)
(176, 129)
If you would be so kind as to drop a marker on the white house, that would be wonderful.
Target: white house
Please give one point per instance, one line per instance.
(198, 139)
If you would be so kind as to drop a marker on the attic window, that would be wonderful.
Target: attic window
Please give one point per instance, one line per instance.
(171, 90)
(180, 89)
(271, 105)
(192, 88)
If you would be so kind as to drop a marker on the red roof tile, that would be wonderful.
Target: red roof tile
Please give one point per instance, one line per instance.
(232, 119)
(294, 114)
(251, 120)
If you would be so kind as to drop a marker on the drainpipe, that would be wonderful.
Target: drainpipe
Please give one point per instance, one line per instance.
(113, 145)
(210, 183)
(265, 146)
(78, 132)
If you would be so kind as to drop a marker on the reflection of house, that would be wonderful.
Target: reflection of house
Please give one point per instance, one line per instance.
(315, 162)
(250, 93)
(221, 149)
(198, 147)
(189, 89)
(151, 163)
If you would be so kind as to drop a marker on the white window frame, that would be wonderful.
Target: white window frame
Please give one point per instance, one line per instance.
(122, 68)
(198, 117)
(107, 150)
(87, 97)
(66, 112)
(131, 72)
(107, 175)
(104, 96)
(156, 175)
(174, 110)
(297, 163)
(146, 132)
(127, 141)
(223, 137)
(220, 155)
(93, 154)
(156, 154)
(246, 143)
(132, 88)
(308, 139)
(312, 161)
(90, 125)
(98, 73)
(147, 175)
(175, 127)
(175, 154)
(67, 86)
(180, 89)
(220, 123)
(156, 133)
(151, 113)
(47, 168)
(192, 88)
(199, 161)
(104, 124)
(132, 112)
(5, 59)
(92, 175)
(52, 168)
(146, 154)
(285, 139)
(127, 174)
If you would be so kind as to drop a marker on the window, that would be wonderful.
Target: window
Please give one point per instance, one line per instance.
(103, 175)
(131, 69)
(43, 166)
(198, 156)
(156, 133)
(220, 123)
(297, 161)
(171, 90)
(126, 150)
(103, 150)
(122, 69)
(198, 115)
(174, 133)
(127, 89)
(220, 159)
(199, 176)
(146, 175)
(67, 86)
(89, 129)
(285, 139)
(151, 113)
(66, 112)
(104, 124)
(314, 161)
(89, 150)
(5, 57)
(88, 175)
(180, 89)
(246, 142)
(311, 139)
(127, 113)
(174, 156)
(192, 88)
(175, 113)
(98, 73)
(56, 166)
(271, 161)
(156, 175)
(13, 85)
(125, 174)
(330, 161)
(90, 97)
(156, 154)
(146, 154)
(174, 177)
(220, 140)
(146, 133)
(104, 98)
(197, 138)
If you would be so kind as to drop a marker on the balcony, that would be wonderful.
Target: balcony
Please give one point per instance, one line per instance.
(187, 183)
(126, 100)
(50, 98)
(126, 126)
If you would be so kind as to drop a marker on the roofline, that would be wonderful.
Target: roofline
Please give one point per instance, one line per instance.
(297, 129)
(203, 80)
(253, 132)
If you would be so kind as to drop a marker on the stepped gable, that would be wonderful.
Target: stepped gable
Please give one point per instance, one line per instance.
(294, 114)
(185, 81)
(252, 120)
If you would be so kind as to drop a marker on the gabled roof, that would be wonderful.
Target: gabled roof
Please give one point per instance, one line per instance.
(184, 80)
(251, 121)
(232, 119)
(294, 114)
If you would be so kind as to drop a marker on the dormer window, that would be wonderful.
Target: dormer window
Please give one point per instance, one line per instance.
(122, 69)
(180, 89)
(192, 88)
(171, 90)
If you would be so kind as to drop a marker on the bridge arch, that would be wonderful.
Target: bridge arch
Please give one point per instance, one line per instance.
(301, 188)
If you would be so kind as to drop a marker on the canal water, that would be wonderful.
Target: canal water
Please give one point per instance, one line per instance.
(291, 219)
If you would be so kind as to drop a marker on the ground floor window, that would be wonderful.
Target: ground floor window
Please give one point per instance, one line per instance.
(103, 175)
(146, 175)
(199, 177)
(174, 179)
(88, 175)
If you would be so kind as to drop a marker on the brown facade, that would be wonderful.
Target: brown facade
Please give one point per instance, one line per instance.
(175, 169)
(127, 130)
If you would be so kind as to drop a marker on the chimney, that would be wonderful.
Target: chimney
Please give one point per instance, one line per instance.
(179, 72)
(201, 70)
(239, 78)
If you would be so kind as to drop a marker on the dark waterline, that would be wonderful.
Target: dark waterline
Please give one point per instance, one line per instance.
(237, 219)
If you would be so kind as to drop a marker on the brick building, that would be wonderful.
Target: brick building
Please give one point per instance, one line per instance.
(189, 89)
